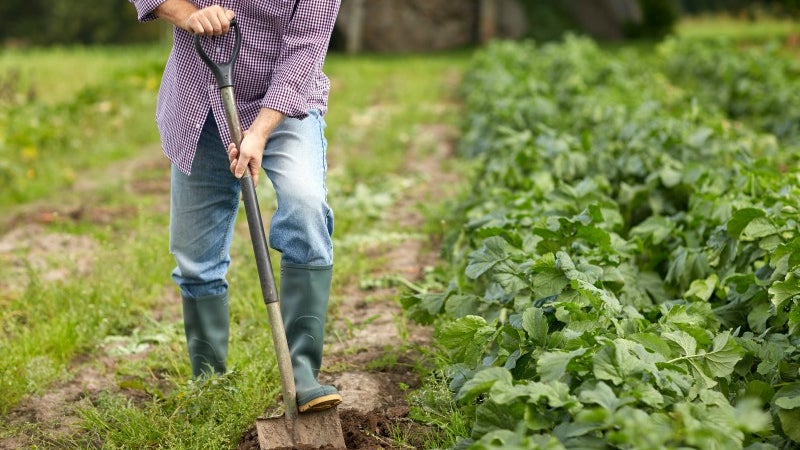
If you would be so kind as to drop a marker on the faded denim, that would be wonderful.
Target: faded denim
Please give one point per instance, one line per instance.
(204, 205)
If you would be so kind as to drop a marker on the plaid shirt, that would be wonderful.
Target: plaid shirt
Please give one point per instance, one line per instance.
(284, 43)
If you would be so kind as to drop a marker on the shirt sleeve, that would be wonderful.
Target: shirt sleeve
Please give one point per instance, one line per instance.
(303, 50)
(145, 9)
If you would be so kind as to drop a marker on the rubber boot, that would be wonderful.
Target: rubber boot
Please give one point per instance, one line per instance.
(304, 303)
(206, 323)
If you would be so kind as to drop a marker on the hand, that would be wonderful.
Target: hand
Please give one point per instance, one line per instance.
(249, 158)
(211, 21)
(253, 143)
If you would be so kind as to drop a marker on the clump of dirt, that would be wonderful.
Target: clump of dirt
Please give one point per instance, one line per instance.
(377, 429)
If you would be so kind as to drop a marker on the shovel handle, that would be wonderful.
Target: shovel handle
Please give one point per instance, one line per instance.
(223, 71)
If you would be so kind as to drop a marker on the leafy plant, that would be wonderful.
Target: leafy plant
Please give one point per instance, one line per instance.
(627, 271)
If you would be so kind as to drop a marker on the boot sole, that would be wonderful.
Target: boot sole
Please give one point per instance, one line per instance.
(321, 403)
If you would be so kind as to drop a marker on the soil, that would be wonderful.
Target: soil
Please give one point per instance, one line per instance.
(373, 385)
(374, 409)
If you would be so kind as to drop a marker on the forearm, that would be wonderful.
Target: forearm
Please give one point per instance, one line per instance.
(267, 120)
(213, 20)
(176, 12)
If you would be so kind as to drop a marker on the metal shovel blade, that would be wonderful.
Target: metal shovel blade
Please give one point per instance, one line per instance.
(321, 429)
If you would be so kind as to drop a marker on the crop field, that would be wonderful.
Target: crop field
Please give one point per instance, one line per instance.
(538, 246)
(627, 272)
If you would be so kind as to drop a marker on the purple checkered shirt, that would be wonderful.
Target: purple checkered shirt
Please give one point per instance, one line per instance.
(284, 43)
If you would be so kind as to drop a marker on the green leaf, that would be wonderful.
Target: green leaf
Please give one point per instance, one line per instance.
(490, 417)
(790, 423)
(652, 342)
(535, 324)
(482, 381)
(432, 303)
(758, 228)
(552, 365)
(703, 289)
(492, 251)
(466, 338)
(600, 298)
(548, 279)
(595, 236)
(758, 316)
(656, 228)
(647, 394)
(781, 291)
(461, 305)
(556, 393)
(686, 342)
(788, 397)
(750, 417)
(605, 365)
(760, 390)
(686, 265)
(741, 218)
(719, 361)
(670, 177)
(724, 355)
(602, 395)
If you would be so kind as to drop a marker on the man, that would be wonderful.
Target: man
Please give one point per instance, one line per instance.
(281, 93)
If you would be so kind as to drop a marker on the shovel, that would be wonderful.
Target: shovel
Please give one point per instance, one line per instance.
(290, 430)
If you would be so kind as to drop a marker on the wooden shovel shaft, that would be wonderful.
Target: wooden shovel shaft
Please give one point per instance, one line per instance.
(261, 251)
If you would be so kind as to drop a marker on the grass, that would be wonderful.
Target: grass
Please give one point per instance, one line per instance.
(57, 75)
(69, 110)
(723, 26)
(78, 115)
(116, 308)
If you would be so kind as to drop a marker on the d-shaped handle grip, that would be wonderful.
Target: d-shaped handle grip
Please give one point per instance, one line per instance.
(223, 71)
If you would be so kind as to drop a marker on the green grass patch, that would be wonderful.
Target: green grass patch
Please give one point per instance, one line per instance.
(65, 111)
(117, 309)
(724, 26)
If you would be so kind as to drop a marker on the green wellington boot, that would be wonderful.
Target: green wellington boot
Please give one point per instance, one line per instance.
(304, 302)
(206, 323)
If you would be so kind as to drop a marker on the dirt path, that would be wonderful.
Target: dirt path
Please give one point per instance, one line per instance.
(372, 364)
(374, 399)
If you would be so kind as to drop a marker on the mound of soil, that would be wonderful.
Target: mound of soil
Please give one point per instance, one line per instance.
(376, 429)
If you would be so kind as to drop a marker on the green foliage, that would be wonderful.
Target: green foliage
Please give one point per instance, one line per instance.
(782, 7)
(756, 86)
(627, 272)
(551, 19)
(658, 19)
(548, 19)
(67, 22)
(47, 141)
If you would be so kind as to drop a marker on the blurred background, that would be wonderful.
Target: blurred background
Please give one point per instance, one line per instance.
(399, 26)
(91, 335)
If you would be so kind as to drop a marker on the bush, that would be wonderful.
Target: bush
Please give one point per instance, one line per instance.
(658, 19)
(551, 19)
(45, 22)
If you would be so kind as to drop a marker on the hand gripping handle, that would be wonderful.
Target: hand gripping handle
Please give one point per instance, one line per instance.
(223, 71)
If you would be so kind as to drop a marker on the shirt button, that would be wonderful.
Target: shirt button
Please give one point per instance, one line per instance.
(197, 126)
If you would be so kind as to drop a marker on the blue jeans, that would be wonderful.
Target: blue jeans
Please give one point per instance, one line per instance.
(204, 205)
